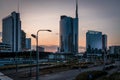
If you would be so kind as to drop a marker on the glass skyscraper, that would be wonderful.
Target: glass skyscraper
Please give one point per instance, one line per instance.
(11, 31)
(69, 33)
(104, 42)
(94, 40)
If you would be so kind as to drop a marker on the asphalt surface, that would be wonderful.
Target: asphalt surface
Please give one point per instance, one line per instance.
(66, 75)
(4, 77)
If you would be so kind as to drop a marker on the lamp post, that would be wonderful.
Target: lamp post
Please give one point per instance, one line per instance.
(37, 53)
(16, 61)
(30, 64)
(104, 58)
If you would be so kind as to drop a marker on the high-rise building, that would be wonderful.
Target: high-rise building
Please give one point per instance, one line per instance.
(28, 43)
(93, 45)
(11, 31)
(94, 40)
(104, 42)
(23, 40)
(96, 45)
(69, 33)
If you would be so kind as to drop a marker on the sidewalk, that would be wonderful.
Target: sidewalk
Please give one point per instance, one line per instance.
(3, 77)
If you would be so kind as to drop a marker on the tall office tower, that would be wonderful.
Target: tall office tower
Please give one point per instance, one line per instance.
(104, 42)
(69, 33)
(11, 31)
(28, 43)
(23, 40)
(93, 40)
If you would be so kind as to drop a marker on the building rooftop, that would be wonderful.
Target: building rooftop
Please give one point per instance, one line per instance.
(93, 32)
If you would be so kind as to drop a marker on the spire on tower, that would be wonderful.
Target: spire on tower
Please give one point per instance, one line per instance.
(76, 8)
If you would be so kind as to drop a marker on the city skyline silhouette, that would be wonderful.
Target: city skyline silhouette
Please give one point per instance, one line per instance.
(93, 15)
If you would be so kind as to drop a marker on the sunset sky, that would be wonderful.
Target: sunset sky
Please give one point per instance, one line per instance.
(99, 15)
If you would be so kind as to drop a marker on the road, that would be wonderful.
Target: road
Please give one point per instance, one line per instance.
(4, 77)
(66, 75)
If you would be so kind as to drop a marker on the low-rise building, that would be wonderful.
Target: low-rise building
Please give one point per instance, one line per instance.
(5, 47)
(114, 53)
(41, 49)
(114, 49)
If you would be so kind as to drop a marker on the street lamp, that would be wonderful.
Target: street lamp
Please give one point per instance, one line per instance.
(37, 57)
(104, 57)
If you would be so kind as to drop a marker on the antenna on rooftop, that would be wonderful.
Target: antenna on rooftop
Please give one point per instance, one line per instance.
(76, 9)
